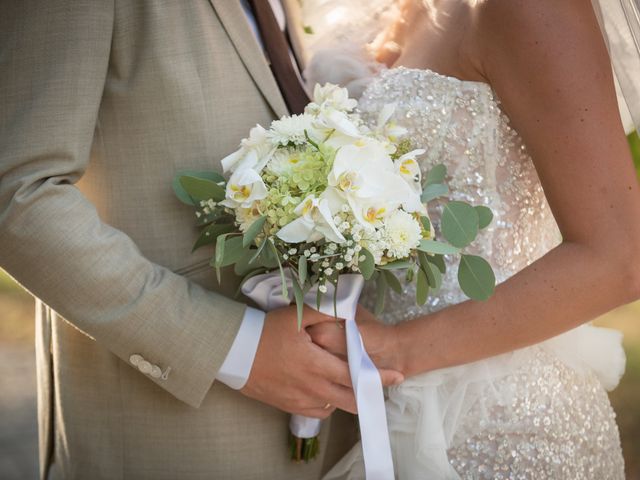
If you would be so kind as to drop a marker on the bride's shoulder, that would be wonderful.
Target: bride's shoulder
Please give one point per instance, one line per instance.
(543, 32)
(526, 20)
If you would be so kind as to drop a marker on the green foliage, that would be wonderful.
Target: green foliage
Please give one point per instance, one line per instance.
(436, 175)
(433, 246)
(433, 191)
(476, 277)
(179, 190)
(422, 288)
(367, 265)
(460, 223)
(253, 231)
(199, 189)
(485, 216)
(210, 234)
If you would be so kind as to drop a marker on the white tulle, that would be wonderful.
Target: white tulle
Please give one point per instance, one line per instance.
(426, 411)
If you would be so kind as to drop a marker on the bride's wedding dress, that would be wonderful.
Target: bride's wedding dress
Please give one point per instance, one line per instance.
(541, 412)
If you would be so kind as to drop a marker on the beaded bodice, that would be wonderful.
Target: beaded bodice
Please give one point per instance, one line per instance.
(461, 125)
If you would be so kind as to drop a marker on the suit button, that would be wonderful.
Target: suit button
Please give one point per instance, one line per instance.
(145, 367)
(156, 372)
(135, 359)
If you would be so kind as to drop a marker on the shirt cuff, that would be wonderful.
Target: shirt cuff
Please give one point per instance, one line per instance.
(237, 365)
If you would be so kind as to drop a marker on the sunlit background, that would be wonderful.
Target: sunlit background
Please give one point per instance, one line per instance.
(18, 430)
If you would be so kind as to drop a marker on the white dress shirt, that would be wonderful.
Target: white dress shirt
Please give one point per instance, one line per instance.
(237, 365)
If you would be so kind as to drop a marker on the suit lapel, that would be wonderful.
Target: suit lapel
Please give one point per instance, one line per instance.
(235, 23)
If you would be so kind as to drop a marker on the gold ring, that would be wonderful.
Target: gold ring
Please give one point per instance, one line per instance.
(327, 406)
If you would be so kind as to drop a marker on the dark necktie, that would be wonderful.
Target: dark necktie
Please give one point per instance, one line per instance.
(277, 47)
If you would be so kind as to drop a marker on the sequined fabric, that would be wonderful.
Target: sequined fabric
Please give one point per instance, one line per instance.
(539, 419)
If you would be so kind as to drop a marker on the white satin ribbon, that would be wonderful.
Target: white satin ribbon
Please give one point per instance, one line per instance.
(266, 291)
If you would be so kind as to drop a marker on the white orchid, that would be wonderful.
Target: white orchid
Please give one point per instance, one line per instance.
(314, 223)
(244, 188)
(386, 127)
(255, 151)
(332, 96)
(408, 168)
(246, 216)
(364, 174)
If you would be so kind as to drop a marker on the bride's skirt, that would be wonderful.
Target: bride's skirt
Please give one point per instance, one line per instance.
(541, 412)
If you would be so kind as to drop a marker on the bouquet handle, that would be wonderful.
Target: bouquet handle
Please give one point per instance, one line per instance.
(266, 291)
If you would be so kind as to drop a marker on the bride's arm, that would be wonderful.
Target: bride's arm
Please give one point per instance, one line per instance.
(547, 63)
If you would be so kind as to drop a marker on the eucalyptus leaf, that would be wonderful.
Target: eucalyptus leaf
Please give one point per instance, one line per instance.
(366, 266)
(302, 269)
(485, 215)
(392, 281)
(426, 223)
(319, 296)
(269, 256)
(219, 253)
(459, 223)
(433, 246)
(410, 274)
(259, 251)
(201, 188)
(434, 276)
(299, 298)
(243, 265)
(180, 192)
(212, 217)
(285, 291)
(437, 174)
(381, 294)
(210, 234)
(433, 191)
(253, 231)
(398, 264)
(422, 288)
(476, 277)
(233, 251)
(438, 261)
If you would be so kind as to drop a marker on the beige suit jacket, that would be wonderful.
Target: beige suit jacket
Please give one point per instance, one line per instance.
(101, 103)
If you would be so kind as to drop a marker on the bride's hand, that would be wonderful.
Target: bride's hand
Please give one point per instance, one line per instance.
(380, 340)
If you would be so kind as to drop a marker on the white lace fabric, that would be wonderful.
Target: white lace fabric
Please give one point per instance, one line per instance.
(536, 413)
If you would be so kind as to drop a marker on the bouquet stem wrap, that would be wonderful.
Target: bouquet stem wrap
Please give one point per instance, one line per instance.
(266, 291)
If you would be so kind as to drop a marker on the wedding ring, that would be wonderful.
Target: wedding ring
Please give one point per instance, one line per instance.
(327, 406)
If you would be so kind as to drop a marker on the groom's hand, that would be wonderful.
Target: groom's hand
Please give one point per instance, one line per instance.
(292, 373)
(380, 340)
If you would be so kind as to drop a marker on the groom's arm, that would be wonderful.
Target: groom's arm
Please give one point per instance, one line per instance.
(54, 58)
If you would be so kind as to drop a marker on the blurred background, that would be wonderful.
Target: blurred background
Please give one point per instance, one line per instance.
(18, 429)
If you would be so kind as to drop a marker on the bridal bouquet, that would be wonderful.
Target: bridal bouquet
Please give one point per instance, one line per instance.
(319, 201)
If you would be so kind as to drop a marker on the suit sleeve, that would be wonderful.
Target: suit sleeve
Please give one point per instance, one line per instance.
(54, 57)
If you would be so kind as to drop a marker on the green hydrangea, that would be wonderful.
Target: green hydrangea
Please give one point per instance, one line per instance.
(292, 175)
